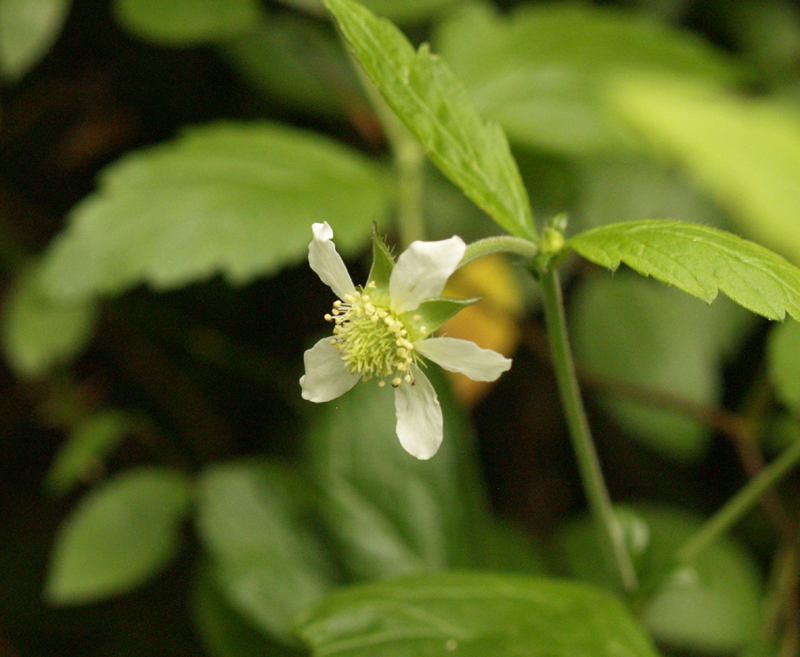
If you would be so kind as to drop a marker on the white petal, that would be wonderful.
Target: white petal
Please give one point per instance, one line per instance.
(327, 263)
(465, 357)
(419, 417)
(326, 376)
(422, 271)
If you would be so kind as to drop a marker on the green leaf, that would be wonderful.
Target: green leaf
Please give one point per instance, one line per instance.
(39, 332)
(236, 199)
(474, 615)
(382, 264)
(300, 63)
(699, 260)
(712, 605)
(225, 633)
(28, 29)
(87, 448)
(389, 512)
(745, 152)
(543, 67)
(187, 22)
(254, 520)
(633, 331)
(118, 536)
(783, 361)
(435, 312)
(426, 96)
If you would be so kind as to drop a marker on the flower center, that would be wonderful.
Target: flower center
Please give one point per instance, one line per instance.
(372, 341)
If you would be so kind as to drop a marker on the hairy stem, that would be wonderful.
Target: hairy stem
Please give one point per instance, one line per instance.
(500, 244)
(608, 526)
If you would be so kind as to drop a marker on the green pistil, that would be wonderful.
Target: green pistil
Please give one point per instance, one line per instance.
(371, 339)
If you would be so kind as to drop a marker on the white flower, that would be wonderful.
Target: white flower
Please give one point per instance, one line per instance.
(382, 329)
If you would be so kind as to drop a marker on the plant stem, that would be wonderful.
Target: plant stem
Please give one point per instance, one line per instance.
(501, 244)
(608, 526)
(409, 162)
(741, 503)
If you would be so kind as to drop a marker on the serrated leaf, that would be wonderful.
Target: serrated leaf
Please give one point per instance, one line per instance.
(699, 260)
(712, 605)
(86, 449)
(434, 105)
(253, 519)
(390, 513)
(542, 68)
(28, 28)
(39, 332)
(783, 362)
(743, 151)
(118, 536)
(474, 615)
(231, 199)
(187, 22)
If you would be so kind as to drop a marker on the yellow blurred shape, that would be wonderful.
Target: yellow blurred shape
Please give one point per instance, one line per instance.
(492, 323)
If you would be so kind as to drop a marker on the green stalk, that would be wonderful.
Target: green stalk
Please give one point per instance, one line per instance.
(410, 166)
(740, 504)
(501, 244)
(608, 526)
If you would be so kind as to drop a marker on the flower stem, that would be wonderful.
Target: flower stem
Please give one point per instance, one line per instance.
(501, 244)
(741, 503)
(409, 162)
(608, 525)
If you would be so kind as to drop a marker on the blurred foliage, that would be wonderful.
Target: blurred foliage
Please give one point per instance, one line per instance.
(166, 491)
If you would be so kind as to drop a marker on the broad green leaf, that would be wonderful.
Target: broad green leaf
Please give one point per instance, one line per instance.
(389, 512)
(118, 536)
(712, 605)
(783, 362)
(254, 521)
(301, 63)
(540, 71)
(187, 22)
(745, 152)
(474, 615)
(434, 105)
(699, 260)
(397, 10)
(39, 332)
(28, 28)
(633, 331)
(86, 449)
(231, 199)
(224, 632)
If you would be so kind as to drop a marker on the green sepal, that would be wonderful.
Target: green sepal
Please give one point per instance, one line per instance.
(382, 264)
(433, 313)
